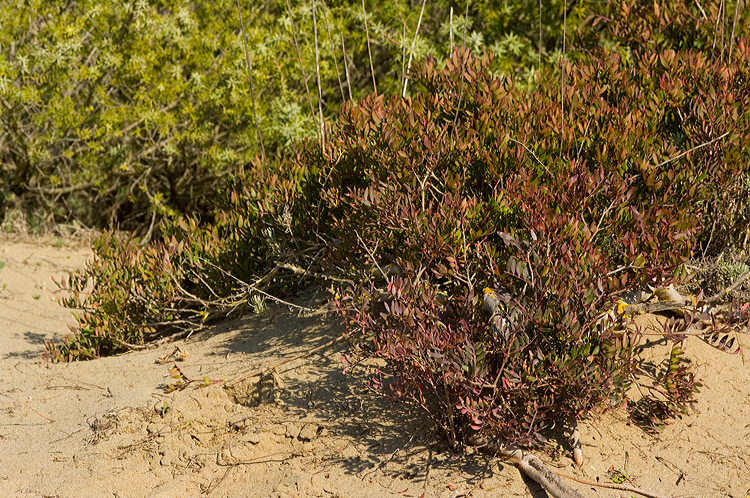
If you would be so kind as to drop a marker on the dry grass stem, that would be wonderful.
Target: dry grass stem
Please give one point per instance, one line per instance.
(369, 50)
(252, 89)
(299, 57)
(317, 73)
(413, 44)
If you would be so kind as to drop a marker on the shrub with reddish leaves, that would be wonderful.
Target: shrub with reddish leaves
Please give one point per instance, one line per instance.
(475, 184)
(555, 199)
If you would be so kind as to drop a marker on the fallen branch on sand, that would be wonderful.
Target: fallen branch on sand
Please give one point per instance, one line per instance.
(547, 478)
(28, 406)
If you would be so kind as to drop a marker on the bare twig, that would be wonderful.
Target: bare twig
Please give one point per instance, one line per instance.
(317, 73)
(701, 9)
(302, 271)
(549, 479)
(530, 152)
(371, 254)
(718, 21)
(252, 86)
(722, 293)
(403, 53)
(612, 485)
(562, 76)
(299, 57)
(413, 44)
(540, 38)
(28, 406)
(691, 150)
(450, 27)
(254, 287)
(369, 50)
(734, 28)
(333, 51)
(346, 68)
(464, 58)
(638, 308)
(531, 466)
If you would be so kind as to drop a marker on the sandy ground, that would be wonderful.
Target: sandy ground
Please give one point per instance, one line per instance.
(107, 428)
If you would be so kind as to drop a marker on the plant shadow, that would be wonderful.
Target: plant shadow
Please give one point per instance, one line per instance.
(392, 438)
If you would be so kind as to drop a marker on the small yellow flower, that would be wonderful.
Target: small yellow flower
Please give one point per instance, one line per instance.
(621, 306)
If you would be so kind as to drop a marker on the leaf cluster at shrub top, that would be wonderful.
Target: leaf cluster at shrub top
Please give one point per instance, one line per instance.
(597, 179)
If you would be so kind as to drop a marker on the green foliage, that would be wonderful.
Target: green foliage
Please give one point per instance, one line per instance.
(598, 179)
(131, 294)
(136, 108)
(115, 114)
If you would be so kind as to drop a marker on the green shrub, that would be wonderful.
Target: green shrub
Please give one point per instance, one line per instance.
(117, 111)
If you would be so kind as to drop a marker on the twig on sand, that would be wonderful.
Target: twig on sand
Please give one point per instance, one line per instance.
(255, 372)
(550, 480)
(612, 485)
(237, 462)
(28, 406)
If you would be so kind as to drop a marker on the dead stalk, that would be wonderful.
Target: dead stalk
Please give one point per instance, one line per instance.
(450, 34)
(369, 50)
(463, 64)
(734, 28)
(317, 73)
(701, 9)
(299, 57)
(691, 150)
(539, 63)
(346, 68)
(562, 76)
(333, 51)
(413, 44)
(28, 406)
(252, 86)
(403, 53)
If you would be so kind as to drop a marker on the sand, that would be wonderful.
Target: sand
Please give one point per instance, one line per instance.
(108, 428)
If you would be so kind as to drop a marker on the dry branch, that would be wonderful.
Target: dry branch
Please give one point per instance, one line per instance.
(413, 44)
(719, 295)
(299, 57)
(550, 480)
(317, 73)
(252, 86)
(369, 50)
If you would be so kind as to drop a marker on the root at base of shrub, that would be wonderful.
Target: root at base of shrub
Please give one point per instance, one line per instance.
(551, 481)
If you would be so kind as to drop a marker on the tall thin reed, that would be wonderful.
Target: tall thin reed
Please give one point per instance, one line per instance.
(333, 51)
(464, 58)
(252, 86)
(450, 27)
(346, 68)
(369, 50)
(413, 44)
(701, 9)
(734, 27)
(403, 53)
(299, 57)
(317, 74)
(562, 75)
(539, 62)
(718, 21)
